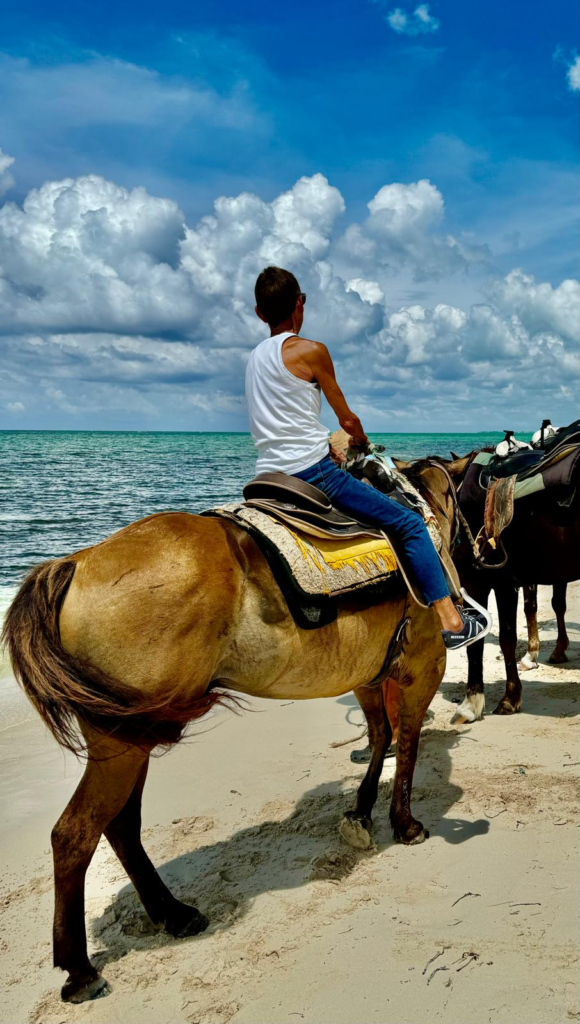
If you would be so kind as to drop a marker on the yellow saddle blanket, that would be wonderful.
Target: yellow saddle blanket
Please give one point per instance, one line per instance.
(319, 566)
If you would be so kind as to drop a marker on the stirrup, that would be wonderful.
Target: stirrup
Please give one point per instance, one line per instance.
(484, 611)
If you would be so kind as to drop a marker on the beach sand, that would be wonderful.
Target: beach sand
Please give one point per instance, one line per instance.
(479, 923)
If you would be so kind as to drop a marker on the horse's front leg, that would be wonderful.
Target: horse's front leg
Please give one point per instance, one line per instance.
(530, 658)
(356, 825)
(418, 686)
(473, 706)
(558, 657)
(507, 608)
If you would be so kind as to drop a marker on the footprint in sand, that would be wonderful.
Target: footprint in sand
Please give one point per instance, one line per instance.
(237, 872)
(333, 865)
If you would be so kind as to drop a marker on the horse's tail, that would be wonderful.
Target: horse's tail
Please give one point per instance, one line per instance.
(64, 689)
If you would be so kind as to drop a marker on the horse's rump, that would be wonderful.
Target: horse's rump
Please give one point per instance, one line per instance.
(65, 689)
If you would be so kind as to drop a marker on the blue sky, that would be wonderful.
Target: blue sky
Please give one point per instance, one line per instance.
(194, 102)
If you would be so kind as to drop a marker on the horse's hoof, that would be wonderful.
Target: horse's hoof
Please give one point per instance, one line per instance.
(412, 836)
(471, 710)
(186, 921)
(84, 987)
(361, 756)
(356, 831)
(527, 664)
(505, 707)
(558, 658)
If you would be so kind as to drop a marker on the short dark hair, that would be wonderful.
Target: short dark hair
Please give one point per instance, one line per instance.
(276, 293)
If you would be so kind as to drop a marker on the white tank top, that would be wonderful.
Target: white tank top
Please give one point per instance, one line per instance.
(284, 412)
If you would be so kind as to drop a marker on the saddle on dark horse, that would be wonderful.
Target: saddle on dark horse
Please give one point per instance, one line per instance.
(492, 485)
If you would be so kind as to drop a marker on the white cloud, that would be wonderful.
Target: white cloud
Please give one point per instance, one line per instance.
(573, 74)
(404, 209)
(539, 306)
(103, 90)
(110, 305)
(420, 22)
(369, 291)
(401, 229)
(6, 179)
(87, 254)
(215, 403)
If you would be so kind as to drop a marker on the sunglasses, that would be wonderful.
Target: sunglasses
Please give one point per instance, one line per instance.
(302, 295)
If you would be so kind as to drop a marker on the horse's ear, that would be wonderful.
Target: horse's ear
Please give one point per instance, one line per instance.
(400, 463)
(459, 464)
(454, 456)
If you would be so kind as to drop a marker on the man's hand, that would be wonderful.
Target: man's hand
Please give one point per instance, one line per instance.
(354, 428)
(335, 455)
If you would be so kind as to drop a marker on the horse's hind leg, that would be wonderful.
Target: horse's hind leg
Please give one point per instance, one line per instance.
(473, 705)
(558, 657)
(391, 702)
(102, 792)
(356, 824)
(530, 658)
(107, 800)
(124, 835)
(507, 607)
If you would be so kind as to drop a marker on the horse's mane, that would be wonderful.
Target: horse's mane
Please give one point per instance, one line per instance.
(413, 472)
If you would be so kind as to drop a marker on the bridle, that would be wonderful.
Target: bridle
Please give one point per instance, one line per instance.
(476, 542)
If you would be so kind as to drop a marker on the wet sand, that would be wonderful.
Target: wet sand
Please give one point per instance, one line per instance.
(478, 923)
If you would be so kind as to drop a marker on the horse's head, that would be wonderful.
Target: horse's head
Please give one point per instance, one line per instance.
(456, 467)
(437, 479)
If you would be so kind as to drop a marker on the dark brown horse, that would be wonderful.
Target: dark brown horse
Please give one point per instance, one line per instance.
(543, 547)
(558, 655)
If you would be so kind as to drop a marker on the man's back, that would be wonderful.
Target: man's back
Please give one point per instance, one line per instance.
(284, 411)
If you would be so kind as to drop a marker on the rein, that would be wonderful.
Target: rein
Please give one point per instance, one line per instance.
(475, 542)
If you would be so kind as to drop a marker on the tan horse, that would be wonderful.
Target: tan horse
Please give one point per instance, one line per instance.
(146, 631)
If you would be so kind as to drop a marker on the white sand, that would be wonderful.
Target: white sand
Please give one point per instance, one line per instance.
(243, 820)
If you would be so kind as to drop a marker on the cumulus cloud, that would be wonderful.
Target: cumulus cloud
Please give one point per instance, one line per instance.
(401, 229)
(87, 254)
(445, 368)
(369, 291)
(6, 179)
(573, 74)
(112, 306)
(417, 23)
(540, 307)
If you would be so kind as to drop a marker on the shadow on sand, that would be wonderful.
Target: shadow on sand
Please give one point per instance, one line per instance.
(223, 878)
(547, 698)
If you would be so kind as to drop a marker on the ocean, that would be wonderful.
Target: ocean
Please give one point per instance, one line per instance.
(64, 490)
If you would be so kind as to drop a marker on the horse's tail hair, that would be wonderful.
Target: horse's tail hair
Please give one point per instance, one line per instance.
(65, 690)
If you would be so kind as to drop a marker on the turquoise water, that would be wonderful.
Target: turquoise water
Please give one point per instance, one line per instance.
(61, 491)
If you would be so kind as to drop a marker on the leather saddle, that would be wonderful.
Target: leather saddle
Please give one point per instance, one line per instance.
(489, 491)
(299, 504)
(560, 450)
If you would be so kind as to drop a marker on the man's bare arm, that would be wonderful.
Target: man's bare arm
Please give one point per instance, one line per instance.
(320, 363)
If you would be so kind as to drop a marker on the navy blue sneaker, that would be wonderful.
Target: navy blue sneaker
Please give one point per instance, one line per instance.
(476, 625)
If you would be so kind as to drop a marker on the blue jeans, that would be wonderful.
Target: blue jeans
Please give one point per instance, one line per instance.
(405, 527)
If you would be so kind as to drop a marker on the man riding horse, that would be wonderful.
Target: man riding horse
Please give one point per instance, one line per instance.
(284, 379)
(120, 646)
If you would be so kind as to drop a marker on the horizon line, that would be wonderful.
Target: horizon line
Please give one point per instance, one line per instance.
(90, 430)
